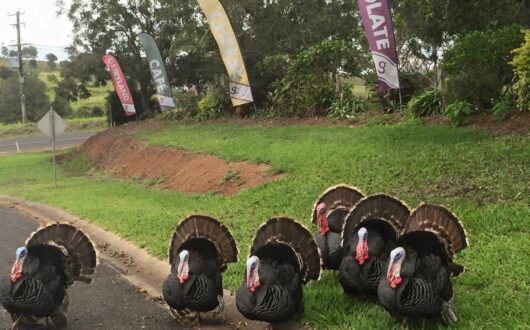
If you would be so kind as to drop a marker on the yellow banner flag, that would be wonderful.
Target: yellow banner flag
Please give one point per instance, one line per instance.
(224, 35)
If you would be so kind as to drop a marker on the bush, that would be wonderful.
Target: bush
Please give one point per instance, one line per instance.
(186, 105)
(62, 107)
(500, 109)
(477, 66)
(346, 106)
(426, 104)
(521, 67)
(89, 112)
(457, 112)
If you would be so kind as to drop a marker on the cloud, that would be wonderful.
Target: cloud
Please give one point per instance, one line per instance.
(43, 29)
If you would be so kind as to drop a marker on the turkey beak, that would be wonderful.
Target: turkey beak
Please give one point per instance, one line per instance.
(322, 219)
(249, 276)
(362, 246)
(394, 268)
(16, 270)
(183, 267)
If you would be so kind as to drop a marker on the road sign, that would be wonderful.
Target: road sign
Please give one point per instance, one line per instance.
(45, 124)
(52, 125)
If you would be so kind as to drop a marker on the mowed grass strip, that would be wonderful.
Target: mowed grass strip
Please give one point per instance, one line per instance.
(483, 179)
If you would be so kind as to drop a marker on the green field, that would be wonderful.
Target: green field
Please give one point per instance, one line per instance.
(97, 98)
(482, 178)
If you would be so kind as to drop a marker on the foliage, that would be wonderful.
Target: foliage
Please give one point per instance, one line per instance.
(89, 111)
(311, 77)
(426, 104)
(346, 106)
(435, 164)
(521, 67)
(37, 102)
(500, 109)
(51, 58)
(457, 112)
(477, 66)
(62, 107)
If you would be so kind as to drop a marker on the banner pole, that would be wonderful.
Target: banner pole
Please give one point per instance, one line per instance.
(52, 129)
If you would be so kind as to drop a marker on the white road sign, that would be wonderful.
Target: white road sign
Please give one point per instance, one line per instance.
(45, 124)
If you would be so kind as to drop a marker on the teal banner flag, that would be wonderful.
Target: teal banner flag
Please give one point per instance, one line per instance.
(158, 71)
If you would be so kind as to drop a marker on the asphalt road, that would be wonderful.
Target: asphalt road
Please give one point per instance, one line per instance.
(108, 303)
(33, 143)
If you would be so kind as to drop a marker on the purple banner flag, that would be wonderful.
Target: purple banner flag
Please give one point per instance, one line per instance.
(380, 34)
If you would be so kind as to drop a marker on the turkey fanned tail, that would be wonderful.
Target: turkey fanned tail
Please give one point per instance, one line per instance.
(211, 248)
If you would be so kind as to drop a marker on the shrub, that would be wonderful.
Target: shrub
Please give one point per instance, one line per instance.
(457, 112)
(186, 104)
(346, 106)
(426, 104)
(89, 112)
(521, 67)
(477, 66)
(62, 107)
(500, 109)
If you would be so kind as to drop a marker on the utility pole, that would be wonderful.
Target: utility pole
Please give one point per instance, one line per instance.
(20, 68)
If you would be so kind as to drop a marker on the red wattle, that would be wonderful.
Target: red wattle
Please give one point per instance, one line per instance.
(323, 226)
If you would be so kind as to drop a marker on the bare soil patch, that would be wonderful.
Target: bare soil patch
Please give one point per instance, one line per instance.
(167, 168)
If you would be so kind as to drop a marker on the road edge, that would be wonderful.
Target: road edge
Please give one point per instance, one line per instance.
(135, 264)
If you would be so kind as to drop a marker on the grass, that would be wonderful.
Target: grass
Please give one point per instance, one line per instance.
(483, 179)
(74, 125)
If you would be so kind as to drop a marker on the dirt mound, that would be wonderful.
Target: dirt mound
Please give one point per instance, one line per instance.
(168, 168)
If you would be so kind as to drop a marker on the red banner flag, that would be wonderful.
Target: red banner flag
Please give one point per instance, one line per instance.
(380, 34)
(120, 84)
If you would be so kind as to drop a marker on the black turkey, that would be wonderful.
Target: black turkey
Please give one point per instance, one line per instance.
(417, 282)
(199, 252)
(53, 258)
(328, 214)
(283, 257)
(370, 232)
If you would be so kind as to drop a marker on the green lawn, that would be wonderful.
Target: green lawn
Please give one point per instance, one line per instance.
(483, 179)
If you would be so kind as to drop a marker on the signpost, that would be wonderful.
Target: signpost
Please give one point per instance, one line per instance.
(52, 125)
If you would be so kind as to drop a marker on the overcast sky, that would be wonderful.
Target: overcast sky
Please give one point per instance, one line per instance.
(43, 29)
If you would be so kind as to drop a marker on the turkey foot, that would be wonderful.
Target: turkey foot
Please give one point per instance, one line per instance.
(404, 324)
(222, 309)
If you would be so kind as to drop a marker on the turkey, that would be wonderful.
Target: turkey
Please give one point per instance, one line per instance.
(328, 214)
(54, 257)
(417, 282)
(283, 257)
(200, 250)
(370, 232)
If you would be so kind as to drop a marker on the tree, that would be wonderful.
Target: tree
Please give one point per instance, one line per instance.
(5, 51)
(51, 61)
(37, 102)
(27, 52)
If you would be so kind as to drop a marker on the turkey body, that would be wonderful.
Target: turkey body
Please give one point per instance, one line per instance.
(55, 256)
(363, 280)
(278, 299)
(201, 291)
(330, 249)
(40, 290)
(425, 291)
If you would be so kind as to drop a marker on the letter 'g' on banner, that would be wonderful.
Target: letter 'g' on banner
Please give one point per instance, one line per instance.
(120, 84)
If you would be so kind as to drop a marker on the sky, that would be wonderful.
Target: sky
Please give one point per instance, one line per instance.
(43, 28)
